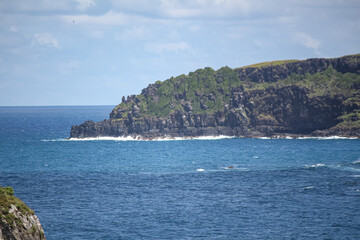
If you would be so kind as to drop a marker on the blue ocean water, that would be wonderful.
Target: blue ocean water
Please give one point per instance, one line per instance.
(274, 189)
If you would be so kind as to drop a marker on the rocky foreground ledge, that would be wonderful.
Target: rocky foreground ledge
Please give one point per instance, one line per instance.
(309, 98)
(17, 221)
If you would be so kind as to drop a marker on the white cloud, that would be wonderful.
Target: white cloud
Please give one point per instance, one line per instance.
(210, 9)
(13, 29)
(46, 39)
(259, 43)
(195, 28)
(110, 18)
(40, 5)
(168, 47)
(133, 34)
(183, 12)
(96, 34)
(85, 4)
(307, 40)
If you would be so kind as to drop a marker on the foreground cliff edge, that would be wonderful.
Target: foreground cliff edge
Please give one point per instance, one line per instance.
(17, 221)
(314, 97)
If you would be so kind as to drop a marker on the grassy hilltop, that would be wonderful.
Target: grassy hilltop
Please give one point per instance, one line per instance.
(291, 96)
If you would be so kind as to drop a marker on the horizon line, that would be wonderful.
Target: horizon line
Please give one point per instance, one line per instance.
(77, 105)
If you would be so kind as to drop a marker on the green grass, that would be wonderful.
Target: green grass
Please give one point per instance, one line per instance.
(270, 63)
(7, 199)
(329, 82)
(200, 85)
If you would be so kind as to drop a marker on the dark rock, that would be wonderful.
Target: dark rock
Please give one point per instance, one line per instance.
(267, 111)
(17, 221)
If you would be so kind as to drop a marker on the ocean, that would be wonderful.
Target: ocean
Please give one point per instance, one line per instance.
(238, 188)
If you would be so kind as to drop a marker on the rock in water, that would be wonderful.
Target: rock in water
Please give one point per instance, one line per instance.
(17, 221)
(314, 97)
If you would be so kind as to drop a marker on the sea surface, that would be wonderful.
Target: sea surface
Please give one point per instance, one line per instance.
(235, 188)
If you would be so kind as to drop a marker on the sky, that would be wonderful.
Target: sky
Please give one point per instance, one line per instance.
(89, 52)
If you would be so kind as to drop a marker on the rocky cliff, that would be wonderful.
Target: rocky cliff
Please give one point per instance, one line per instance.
(314, 97)
(17, 221)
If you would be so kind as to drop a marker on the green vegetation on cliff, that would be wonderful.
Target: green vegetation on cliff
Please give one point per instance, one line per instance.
(207, 91)
(329, 82)
(271, 63)
(7, 199)
(17, 220)
(320, 97)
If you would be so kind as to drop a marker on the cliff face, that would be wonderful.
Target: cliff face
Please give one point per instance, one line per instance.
(17, 221)
(316, 97)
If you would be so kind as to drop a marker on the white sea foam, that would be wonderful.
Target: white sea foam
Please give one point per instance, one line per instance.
(129, 138)
(301, 137)
(53, 140)
(357, 161)
(230, 167)
(315, 165)
(169, 138)
(327, 138)
(200, 170)
(235, 168)
(140, 138)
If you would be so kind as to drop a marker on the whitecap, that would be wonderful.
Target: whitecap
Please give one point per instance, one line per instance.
(200, 170)
(53, 140)
(140, 138)
(315, 165)
(230, 167)
(235, 168)
(104, 139)
(357, 161)
(328, 138)
(335, 137)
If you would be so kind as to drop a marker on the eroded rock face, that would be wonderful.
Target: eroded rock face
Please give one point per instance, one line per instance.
(255, 113)
(263, 110)
(24, 227)
(17, 221)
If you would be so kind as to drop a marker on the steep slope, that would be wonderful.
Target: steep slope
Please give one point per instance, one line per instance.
(314, 96)
(17, 221)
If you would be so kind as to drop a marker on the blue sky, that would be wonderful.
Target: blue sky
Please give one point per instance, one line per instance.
(88, 52)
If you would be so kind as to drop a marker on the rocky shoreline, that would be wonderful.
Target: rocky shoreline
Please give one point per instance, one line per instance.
(17, 220)
(310, 98)
(107, 130)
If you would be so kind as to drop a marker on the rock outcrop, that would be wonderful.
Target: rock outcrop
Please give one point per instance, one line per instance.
(17, 221)
(315, 97)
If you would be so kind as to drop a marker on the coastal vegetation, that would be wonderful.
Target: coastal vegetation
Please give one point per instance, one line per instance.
(17, 220)
(265, 98)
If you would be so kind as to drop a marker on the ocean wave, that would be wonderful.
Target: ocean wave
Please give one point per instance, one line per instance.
(54, 140)
(308, 188)
(235, 168)
(357, 161)
(140, 138)
(328, 138)
(223, 169)
(304, 137)
(168, 138)
(315, 166)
